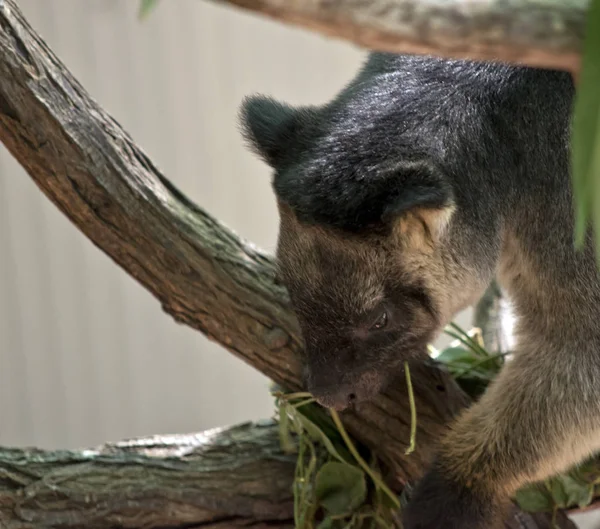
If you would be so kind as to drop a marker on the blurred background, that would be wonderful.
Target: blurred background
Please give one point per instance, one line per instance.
(86, 354)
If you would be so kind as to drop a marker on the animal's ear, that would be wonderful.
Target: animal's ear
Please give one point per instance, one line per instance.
(273, 129)
(423, 202)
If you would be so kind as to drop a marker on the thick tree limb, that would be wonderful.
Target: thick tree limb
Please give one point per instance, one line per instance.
(235, 477)
(203, 274)
(538, 33)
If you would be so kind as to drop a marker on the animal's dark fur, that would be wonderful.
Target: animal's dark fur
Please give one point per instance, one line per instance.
(450, 505)
(421, 181)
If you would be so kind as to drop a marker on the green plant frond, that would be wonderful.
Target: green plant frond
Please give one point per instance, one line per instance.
(585, 133)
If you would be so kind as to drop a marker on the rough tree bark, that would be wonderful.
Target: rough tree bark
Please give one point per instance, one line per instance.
(201, 272)
(543, 34)
(234, 477)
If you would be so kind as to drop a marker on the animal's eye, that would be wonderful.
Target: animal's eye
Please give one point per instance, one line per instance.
(380, 322)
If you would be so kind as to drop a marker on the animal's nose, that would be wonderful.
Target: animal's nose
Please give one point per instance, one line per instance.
(338, 398)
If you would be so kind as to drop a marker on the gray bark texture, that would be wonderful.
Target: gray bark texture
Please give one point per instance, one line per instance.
(205, 277)
(235, 477)
(540, 33)
(487, 316)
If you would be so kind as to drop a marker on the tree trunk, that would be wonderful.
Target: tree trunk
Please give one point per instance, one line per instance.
(201, 272)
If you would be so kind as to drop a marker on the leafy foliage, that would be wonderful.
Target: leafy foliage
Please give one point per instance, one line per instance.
(334, 487)
(565, 491)
(340, 487)
(468, 361)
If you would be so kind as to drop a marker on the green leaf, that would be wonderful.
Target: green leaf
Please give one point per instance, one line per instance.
(327, 523)
(559, 494)
(569, 492)
(457, 355)
(340, 488)
(588, 498)
(585, 137)
(145, 7)
(534, 498)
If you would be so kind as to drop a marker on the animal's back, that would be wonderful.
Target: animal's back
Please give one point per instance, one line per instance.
(501, 133)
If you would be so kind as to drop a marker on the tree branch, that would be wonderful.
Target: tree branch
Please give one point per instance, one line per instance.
(542, 34)
(235, 477)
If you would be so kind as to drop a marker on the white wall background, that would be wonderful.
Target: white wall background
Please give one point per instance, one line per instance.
(87, 355)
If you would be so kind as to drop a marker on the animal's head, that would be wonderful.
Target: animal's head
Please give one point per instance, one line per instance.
(362, 245)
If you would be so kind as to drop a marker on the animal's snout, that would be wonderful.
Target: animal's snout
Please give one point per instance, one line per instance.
(336, 397)
(335, 388)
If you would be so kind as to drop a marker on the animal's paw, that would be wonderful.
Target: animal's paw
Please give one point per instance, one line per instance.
(438, 502)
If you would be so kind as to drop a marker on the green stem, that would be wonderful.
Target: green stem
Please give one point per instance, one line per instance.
(352, 449)
(466, 343)
(413, 412)
(466, 339)
(480, 363)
